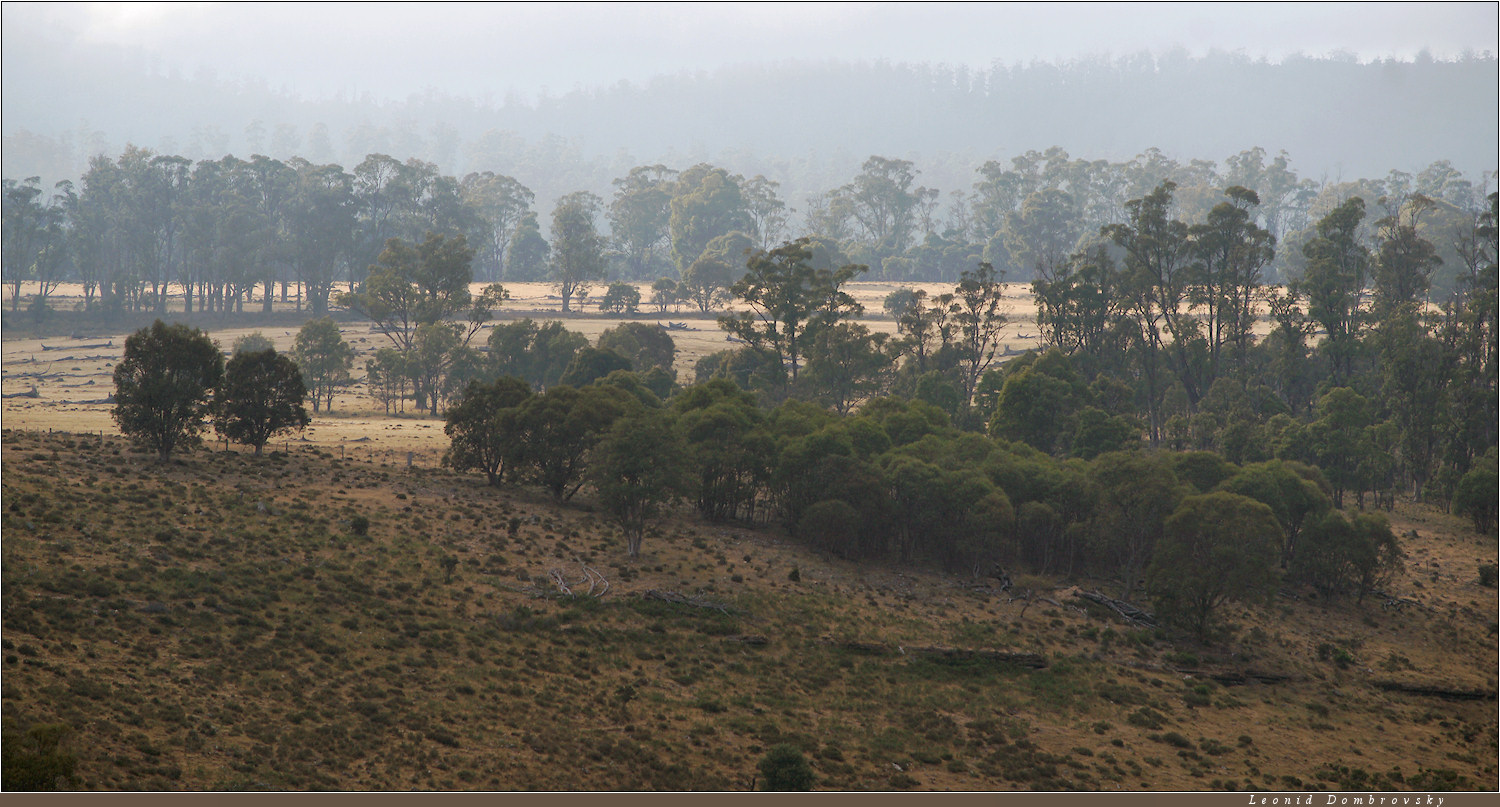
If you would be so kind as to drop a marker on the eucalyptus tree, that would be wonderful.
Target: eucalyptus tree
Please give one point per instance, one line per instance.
(637, 471)
(1042, 234)
(409, 296)
(1155, 284)
(23, 233)
(706, 283)
(324, 359)
(577, 246)
(261, 394)
(164, 386)
(707, 202)
(885, 204)
(384, 194)
(528, 255)
(1215, 547)
(768, 213)
(788, 301)
(977, 318)
(501, 203)
(1230, 252)
(96, 243)
(639, 215)
(272, 184)
(1078, 307)
(1338, 267)
(1404, 260)
(1284, 197)
(320, 226)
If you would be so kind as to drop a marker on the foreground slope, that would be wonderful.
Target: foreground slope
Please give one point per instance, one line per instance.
(299, 622)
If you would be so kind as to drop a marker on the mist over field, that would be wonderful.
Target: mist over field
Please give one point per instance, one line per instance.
(800, 93)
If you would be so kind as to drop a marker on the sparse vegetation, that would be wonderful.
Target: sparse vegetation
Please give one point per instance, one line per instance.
(366, 670)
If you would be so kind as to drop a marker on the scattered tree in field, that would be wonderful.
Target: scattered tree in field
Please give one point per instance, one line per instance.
(388, 377)
(325, 359)
(621, 298)
(261, 395)
(665, 292)
(706, 283)
(1215, 547)
(482, 427)
(164, 384)
(577, 246)
(420, 284)
(637, 469)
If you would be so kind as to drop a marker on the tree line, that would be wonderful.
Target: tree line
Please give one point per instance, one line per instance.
(1158, 440)
(144, 228)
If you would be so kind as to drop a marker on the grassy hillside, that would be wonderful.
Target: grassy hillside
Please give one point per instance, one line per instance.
(290, 622)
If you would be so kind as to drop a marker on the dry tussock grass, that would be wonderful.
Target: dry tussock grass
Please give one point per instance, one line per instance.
(219, 622)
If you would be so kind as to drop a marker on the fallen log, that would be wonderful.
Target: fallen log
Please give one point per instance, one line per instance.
(754, 640)
(1034, 661)
(677, 598)
(1236, 677)
(1130, 613)
(1437, 691)
(78, 347)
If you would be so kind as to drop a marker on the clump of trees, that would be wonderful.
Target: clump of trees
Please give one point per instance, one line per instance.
(1156, 441)
(172, 380)
(1154, 399)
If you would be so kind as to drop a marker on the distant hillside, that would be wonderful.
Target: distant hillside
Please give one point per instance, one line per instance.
(805, 124)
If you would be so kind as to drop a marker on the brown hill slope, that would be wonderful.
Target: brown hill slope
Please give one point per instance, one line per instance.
(224, 622)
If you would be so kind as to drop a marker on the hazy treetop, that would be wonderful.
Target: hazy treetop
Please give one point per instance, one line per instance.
(389, 51)
(568, 96)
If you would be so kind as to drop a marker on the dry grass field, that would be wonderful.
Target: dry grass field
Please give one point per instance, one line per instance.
(72, 376)
(290, 622)
(223, 622)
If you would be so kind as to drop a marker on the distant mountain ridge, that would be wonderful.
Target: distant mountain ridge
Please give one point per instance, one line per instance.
(807, 124)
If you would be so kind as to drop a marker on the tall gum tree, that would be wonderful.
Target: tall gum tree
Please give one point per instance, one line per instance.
(788, 300)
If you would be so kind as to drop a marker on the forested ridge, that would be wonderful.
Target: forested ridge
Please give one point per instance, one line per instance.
(1339, 118)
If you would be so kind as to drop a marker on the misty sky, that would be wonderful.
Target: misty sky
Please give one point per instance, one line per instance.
(489, 50)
